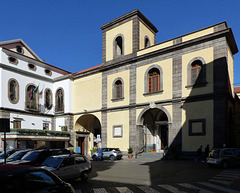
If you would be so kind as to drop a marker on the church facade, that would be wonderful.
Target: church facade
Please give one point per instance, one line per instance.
(176, 94)
(145, 95)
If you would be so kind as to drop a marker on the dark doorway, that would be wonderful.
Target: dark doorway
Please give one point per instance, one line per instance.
(164, 136)
(81, 142)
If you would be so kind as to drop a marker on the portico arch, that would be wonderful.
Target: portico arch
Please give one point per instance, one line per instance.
(87, 129)
(154, 123)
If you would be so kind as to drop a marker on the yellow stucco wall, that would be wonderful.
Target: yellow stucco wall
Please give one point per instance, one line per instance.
(207, 55)
(144, 31)
(156, 47)
(166, 66)
(231, 69)
(90, 88)
(197, 110)
(124, 29)
(198, 34)
(124, 75)
(114, 119)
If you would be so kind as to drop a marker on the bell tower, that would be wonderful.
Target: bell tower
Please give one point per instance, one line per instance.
(124, 36)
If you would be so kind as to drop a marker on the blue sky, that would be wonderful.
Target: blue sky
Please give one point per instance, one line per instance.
(67, 34)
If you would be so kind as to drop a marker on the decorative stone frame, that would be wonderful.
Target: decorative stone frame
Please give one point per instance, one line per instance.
(57, 109)
(15, 62)
(114, 97)
(117, 126)
(34, 68)
(190, 127)
(146, 80)
(48, 72)
(149, 43)
(115, 46)
(202, 82)
(17, 47)
(45, 98)
(26, 97)
(17, 91)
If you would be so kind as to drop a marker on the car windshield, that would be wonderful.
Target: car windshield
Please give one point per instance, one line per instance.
(52, 162)
(17, 155)
(2, 154)
(215, 153)
(32, 155)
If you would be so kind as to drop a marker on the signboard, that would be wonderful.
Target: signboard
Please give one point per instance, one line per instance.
(4, 125)
(78, 149)
(98, 138)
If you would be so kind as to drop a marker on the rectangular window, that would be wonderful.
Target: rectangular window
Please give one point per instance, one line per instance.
(16, 124)
(117, 131)
(154, 83)
(45, 126)
(197, 127)
(119, 91)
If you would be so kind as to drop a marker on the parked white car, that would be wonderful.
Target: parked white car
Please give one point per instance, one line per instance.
(69, 166)
(109, 153)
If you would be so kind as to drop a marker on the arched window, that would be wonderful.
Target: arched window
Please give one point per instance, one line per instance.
(118, 46)
(48, 98)
(13, 91)
(154, 80)
(118, 85)
(146, 42)
(196, 72)
(59, 100)
(118, 89)
(32, 97)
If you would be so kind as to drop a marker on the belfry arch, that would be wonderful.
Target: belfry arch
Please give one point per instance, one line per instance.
(87, 129)
(154, 124)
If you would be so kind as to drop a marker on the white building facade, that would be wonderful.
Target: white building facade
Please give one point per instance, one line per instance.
(35, 97)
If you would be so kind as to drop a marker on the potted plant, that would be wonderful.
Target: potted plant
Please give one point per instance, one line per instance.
(130, 152)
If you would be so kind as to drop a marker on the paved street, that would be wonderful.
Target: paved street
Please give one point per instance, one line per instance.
(149, 176)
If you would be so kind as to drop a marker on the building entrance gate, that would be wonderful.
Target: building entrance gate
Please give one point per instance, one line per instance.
(155, 130)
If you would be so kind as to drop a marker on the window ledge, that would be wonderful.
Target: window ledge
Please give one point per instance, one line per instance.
(59, 112)
(204, 84)
(153, 93)
(117, 99)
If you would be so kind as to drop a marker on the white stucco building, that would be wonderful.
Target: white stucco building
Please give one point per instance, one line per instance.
(35, 97)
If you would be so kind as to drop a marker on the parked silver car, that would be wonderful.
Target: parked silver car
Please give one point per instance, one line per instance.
(224, 157)
(109, 153)
(69, 166)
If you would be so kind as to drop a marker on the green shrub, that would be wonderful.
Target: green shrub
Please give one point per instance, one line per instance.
(130, 150)
(94, 149)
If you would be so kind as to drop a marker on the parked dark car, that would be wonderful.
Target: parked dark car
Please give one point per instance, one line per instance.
(8, 153)
(23, 178)
(224, 157)
(15, 156)
(36, 157)
(109, 153)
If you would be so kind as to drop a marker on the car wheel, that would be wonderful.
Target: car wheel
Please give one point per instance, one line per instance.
(225, 165)
(112, 157)
(94, 157)
(84, 176)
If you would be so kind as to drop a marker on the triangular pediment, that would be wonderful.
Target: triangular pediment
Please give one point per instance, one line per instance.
(19, 46)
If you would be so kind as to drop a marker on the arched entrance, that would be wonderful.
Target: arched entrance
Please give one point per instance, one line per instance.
(88, 131)
(155, 128)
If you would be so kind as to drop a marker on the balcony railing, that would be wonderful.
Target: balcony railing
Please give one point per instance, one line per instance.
(39, 132)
